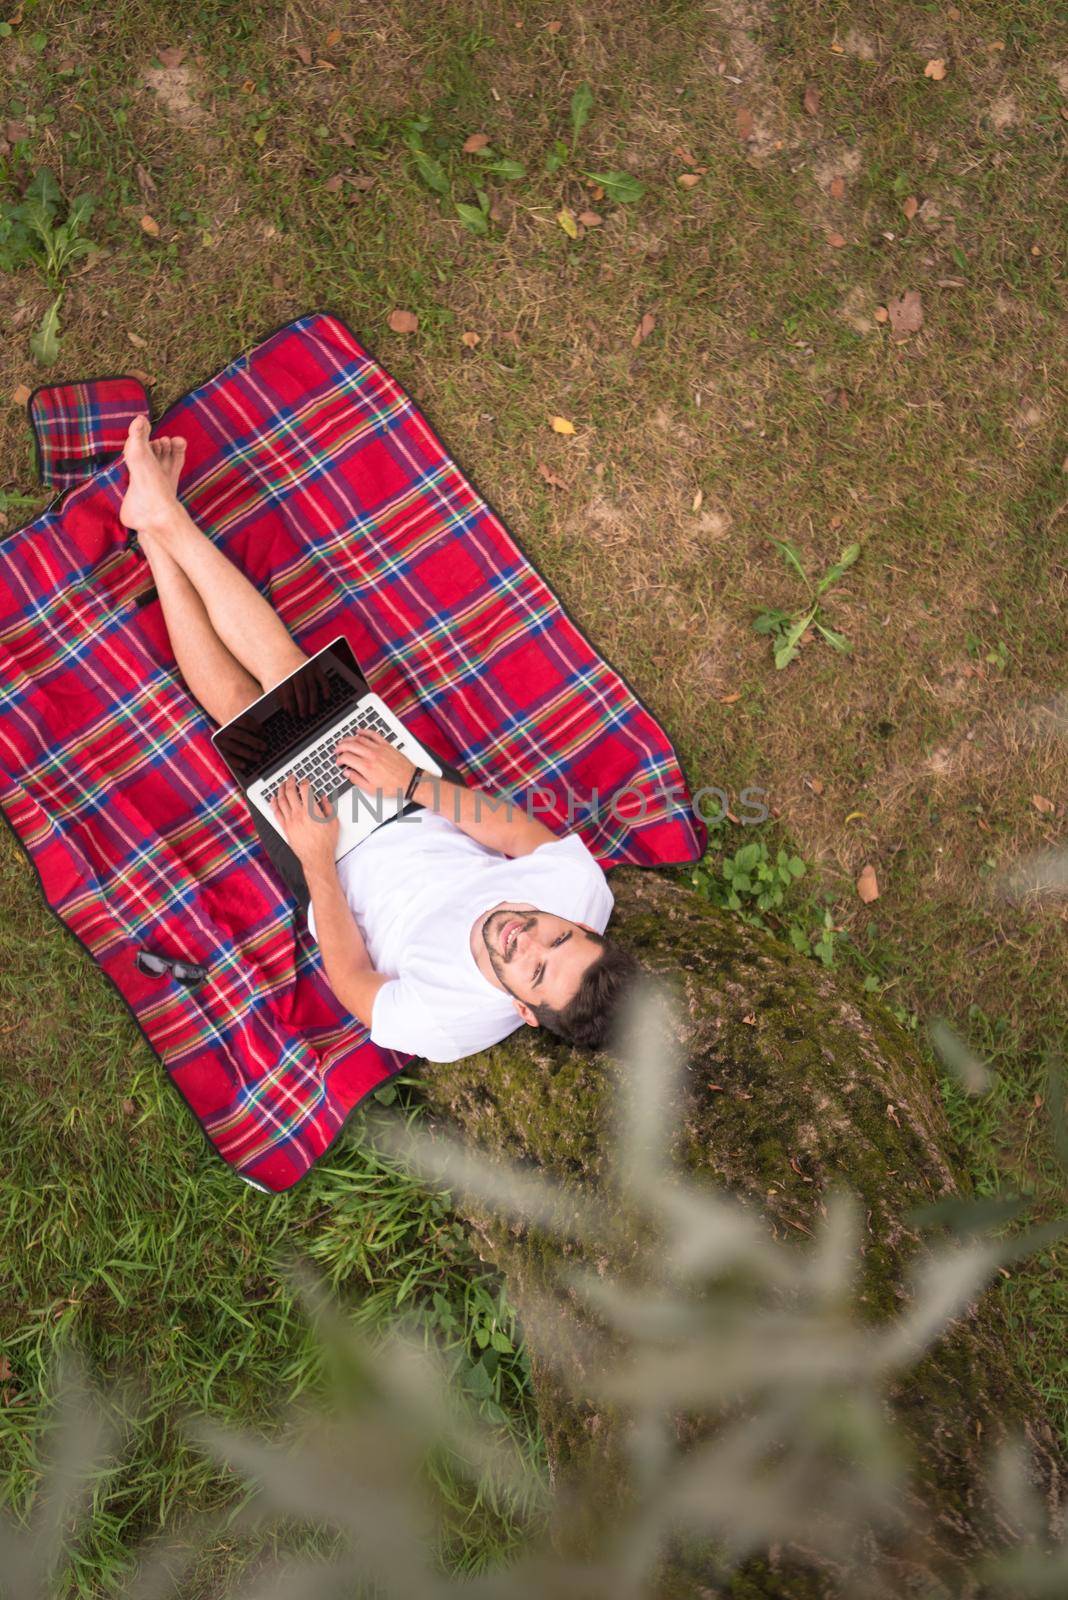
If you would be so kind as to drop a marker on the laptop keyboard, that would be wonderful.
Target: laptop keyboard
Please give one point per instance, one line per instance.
(317, 763)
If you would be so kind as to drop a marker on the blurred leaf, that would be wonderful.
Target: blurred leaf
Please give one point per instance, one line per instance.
(973, 1075)
(836, 640)
(505, 167)
(472, 217)
(621, 187)
(967, 1217)
(840, 568)
(45, 342)
(791, 556)
(581, 106)
(430, 170)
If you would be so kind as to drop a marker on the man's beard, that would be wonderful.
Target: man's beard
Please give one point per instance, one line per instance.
(496, 958)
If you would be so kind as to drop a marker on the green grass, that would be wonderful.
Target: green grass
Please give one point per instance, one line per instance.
(119, 1229)
(122, 1234)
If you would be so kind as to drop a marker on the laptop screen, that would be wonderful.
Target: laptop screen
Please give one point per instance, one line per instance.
(289, 716)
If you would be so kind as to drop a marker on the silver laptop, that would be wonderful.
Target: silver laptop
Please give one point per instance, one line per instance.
(295, 727)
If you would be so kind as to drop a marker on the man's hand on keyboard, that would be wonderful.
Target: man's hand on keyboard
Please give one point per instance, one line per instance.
(373, 764)
(304, 693)
(309, 823)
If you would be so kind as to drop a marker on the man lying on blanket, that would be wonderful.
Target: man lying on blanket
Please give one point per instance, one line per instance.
(513, 932)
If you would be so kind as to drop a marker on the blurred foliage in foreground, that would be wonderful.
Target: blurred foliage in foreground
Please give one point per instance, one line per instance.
(754, 1400)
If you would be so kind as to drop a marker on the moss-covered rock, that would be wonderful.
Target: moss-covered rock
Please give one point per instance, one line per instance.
(796, 1082)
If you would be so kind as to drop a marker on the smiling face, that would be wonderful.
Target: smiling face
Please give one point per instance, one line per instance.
(538, 958)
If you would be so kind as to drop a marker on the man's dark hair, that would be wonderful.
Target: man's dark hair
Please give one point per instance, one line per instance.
(591, 1015)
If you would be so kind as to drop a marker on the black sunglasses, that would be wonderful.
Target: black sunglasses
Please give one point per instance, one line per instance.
(187, 973)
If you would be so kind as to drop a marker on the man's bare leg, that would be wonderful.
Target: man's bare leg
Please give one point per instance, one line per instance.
(215, 678)
(247, 624)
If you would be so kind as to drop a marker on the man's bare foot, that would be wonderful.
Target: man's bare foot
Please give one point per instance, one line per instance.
(154, 467)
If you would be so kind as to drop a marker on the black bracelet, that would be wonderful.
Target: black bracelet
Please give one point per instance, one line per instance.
(413, 782)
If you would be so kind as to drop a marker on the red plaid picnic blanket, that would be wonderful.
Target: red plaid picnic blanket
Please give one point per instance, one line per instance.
(315, 473)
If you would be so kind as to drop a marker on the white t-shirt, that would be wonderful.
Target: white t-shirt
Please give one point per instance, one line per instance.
(416, 887)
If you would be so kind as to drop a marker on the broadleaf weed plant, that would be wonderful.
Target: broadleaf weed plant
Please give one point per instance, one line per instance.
(35, 232)
(788, 628)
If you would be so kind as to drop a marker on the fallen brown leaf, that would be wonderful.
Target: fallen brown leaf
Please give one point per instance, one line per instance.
(750, 1019)
(880, 313)
(815, 784)
(644, 329)
(333, 38)
(1040, 803)
(142, 376)
(20, 394)
(561, 425)
(729, 699)
(470, 339)
(953, 14)
(403, 321)
(698, 500)
(838, 188)
(145, 181)
(553, 27)
(868, 886)
(137, 341)
(16, 131)
(936, 69)
(811, 101)
(836, 239)
(684, 155)
(590, 219)
(550, 476)
(688, 179)
(905, 312)
(333, 183)
(743, 121)
(475, 141)
(172, 57)
(303, 54)
(359, 180)
(150, 226)
(910, 207)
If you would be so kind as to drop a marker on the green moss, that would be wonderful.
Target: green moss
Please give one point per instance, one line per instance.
(822, 1089)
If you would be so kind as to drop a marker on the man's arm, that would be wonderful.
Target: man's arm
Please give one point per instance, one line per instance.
(348, 966)
(379, 768)
(493, 820)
